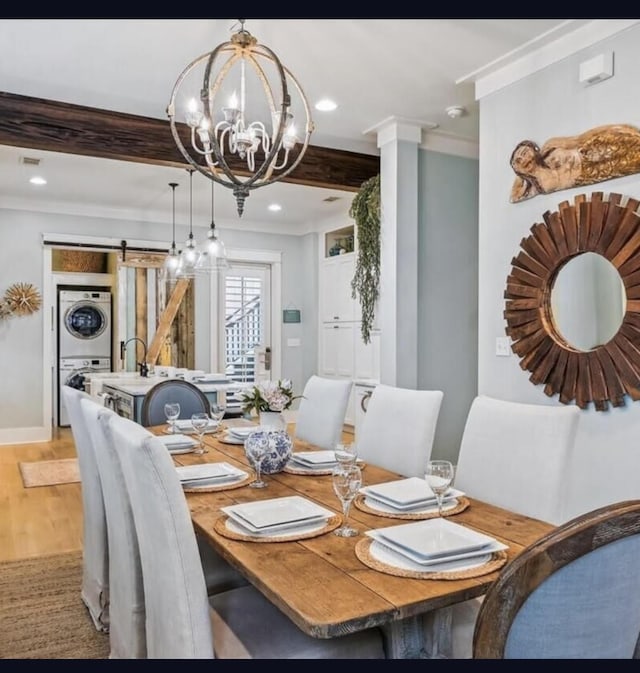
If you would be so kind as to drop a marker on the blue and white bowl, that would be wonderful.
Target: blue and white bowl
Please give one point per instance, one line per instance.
(278, 444)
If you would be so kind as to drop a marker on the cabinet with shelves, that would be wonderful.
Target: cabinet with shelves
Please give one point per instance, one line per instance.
(336, 302)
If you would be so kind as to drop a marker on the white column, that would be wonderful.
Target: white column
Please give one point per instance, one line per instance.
(397, 307)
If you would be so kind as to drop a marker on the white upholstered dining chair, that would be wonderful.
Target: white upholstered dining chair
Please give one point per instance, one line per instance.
(513, 455)
(398, 429)
(182, 622)
(573, 594)
(322, 410)
(95, 551)
(127, 638)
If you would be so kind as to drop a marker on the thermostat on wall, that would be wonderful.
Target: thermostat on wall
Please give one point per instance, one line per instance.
(291, 315)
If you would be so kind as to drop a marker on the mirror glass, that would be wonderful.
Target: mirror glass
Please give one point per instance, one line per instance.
(588, 301)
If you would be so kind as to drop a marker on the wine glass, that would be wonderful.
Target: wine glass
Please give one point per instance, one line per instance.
(439, 475)
(200, 421)
(218, 410)
(346, 454)
(347, 480)
(172, 411)
(256, 447)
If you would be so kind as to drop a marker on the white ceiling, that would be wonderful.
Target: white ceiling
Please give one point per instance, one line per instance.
(372, 68)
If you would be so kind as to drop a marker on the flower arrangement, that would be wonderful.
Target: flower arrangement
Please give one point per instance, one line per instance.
(268, 396)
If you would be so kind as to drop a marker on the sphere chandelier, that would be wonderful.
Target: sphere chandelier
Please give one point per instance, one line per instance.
(251, 139)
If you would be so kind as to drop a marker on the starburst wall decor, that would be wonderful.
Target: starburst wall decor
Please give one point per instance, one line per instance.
(20, 299)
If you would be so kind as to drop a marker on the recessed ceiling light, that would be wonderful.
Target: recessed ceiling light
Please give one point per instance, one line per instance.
(326, 105)
(275, 207)
(37, 180)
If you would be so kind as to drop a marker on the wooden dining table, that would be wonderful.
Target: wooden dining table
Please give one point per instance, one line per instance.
(322, 585)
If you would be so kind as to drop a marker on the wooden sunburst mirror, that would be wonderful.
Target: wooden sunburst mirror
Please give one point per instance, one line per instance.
(611, 370)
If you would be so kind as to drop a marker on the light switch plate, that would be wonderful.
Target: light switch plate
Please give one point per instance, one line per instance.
(293, 342)
(503, 346)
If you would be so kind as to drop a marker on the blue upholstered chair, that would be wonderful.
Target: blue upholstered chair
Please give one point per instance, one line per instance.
(191, 399)
(571, 595)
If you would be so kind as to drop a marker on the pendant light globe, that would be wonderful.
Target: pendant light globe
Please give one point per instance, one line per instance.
(172, 260)
(189, 254)
(213, 254)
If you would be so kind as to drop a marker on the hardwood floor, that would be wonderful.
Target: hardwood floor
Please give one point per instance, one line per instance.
(42, 520)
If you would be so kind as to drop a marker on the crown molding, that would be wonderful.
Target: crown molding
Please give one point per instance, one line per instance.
(569, 38)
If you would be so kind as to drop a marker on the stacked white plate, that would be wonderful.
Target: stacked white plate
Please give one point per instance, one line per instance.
(277, 516)
(184, 425)
(434, 545)
(314, 460)
(406, 495)
(178, 443)
(209, 474)
(239, 434)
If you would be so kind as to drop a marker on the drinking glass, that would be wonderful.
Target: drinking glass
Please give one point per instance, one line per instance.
(346, 454)
(439, 475)
(256, 447)
(347, 480)
(200, 421)
(172, 411)
(218, 410)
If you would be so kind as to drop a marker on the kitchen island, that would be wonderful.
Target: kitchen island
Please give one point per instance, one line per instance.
(125, 393)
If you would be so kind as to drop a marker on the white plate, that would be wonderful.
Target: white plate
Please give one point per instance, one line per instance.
(380, 506)
(386, 555)
(315, 458)
(407, 491)
(242, 433)
(292, 530)
(434, 538)
(178, 442)
(208, 471)
(230, 439)
(185, 426)
(215, 481)
(267, 514)
(452, 495)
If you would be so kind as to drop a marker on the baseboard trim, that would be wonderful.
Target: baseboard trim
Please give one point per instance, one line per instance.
(24, 435)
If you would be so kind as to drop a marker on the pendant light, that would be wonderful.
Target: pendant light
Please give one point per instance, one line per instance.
(213, 254)
(189, 254)
(172, 260)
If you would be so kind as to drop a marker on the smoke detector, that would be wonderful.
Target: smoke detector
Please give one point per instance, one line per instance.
(455, 111)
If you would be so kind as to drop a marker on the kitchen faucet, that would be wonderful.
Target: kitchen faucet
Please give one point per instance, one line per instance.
(144, 367)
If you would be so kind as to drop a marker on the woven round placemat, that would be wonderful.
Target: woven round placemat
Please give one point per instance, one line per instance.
(361, 504)
(497, 560)
(220, 526)
(293, 469)
(227, 486)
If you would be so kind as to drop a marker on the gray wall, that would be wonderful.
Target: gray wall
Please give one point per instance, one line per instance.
(553, 103)
(447, 290)
(21, 259)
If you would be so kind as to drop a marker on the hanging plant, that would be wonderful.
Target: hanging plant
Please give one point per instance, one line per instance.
(365, 210)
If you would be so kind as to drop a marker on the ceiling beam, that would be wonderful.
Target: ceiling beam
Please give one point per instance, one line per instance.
(41, 124)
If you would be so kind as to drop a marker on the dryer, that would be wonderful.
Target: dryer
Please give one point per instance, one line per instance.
(71, 372)
(84, 324)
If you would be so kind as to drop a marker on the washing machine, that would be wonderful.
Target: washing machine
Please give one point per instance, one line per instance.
(84, 324)
(71, 372)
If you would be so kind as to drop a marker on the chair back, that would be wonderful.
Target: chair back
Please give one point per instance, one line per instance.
(127, 629)
(177, 610)
(95, 552)
(398, 429)
(191, 399)
(571, 595)
(516, 455)
(322, 410)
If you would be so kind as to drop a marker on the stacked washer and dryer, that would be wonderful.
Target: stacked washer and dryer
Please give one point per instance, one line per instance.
(84, 338)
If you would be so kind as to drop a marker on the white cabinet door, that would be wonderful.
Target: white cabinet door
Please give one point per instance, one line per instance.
(367, 356)
(336, 303)
(337, 350)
